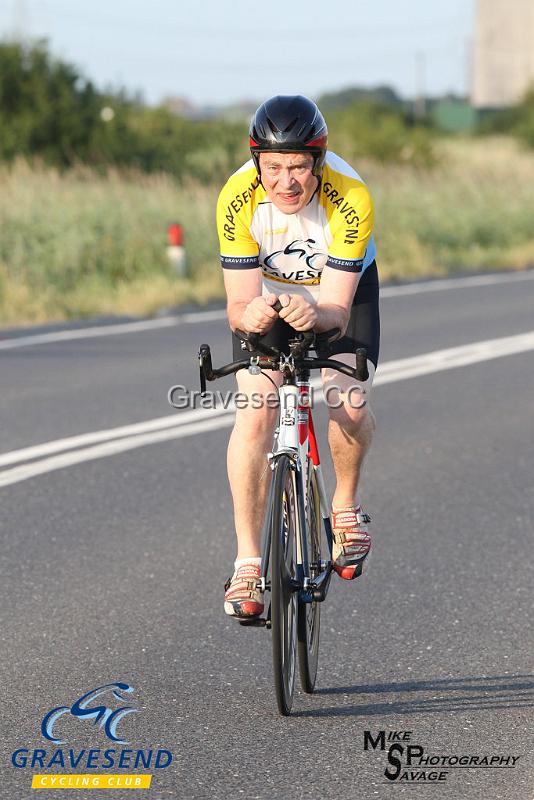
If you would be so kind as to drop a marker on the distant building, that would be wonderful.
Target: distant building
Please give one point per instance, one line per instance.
(503, 64)
(453, 114)
(181, 107)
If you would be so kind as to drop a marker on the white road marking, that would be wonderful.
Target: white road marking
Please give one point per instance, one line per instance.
(88, 333)
(442, 284)
(220, 314)
(453, 357)
(128, 437)
(112, 330)
(72, 442)
(110, 448)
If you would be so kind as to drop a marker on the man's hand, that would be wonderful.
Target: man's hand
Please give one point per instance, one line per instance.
(259, 315)
(297, 312)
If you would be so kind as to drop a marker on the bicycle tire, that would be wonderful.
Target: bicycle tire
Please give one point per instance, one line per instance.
(283, 596)
(309, 614)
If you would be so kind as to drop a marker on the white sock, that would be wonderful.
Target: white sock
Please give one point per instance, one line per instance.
(240, 561)
(352, 507)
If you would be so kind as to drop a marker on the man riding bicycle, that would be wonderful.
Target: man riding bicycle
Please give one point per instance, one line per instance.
(295, 226)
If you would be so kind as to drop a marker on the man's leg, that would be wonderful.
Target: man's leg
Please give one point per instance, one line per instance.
(352, 423)
(248, 471)
(250, 476)
(350, 433)
(350, 428)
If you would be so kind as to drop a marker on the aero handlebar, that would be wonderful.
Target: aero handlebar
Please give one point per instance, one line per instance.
(269, 357)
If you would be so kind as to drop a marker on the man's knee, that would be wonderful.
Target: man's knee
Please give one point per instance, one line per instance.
(256, 404)
(347, 400)
(256, 418)
(352, 418)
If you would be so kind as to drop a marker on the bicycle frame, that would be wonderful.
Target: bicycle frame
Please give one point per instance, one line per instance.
(295, 437)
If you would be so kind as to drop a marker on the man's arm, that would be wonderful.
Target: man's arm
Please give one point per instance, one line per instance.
(246, 308)
(343, 269)
(336, 293)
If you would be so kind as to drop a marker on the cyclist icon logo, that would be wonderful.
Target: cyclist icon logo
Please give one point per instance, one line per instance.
(301, 248)
(105, 717)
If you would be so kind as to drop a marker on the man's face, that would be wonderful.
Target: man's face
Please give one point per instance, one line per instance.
(288, 179)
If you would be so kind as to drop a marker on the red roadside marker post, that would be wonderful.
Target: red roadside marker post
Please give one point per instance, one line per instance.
(176, 249)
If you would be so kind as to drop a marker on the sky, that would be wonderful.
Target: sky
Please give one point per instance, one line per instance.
(217, 52)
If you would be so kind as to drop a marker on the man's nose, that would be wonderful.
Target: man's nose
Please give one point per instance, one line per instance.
(286, 178)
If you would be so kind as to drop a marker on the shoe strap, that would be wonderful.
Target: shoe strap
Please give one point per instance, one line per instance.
(246, 574)
(352, 540)
(348, 518)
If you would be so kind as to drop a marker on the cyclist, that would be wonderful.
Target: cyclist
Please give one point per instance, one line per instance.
(295, 225)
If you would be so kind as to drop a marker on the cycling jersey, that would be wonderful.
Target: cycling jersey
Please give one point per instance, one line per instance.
(334, 229)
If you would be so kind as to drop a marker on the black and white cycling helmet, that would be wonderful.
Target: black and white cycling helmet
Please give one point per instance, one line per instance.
(288, 124)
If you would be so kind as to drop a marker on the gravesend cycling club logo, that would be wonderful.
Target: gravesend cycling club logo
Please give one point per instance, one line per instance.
(81, 708)
(105, 708)
(309, 261)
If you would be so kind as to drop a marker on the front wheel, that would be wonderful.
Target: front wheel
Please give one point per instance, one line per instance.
(283, 575)
(309, 614)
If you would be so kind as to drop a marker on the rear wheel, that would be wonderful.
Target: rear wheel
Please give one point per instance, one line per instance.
(309, 614)
(283, 573)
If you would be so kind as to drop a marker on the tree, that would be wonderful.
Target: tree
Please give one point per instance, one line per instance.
(46, 107)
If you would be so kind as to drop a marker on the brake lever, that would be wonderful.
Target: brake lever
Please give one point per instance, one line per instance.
(362, 371)
(203, 353)
(251, 339)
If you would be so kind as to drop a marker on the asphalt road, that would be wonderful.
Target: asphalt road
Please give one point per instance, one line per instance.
(112, 570)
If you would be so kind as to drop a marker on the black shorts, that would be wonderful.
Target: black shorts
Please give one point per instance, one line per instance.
(363, 329)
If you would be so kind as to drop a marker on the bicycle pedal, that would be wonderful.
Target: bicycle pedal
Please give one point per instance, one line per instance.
(252, 622)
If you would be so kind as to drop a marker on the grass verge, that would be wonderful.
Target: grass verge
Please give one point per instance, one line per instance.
(80, 243)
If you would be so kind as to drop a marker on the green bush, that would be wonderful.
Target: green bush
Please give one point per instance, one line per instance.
(203, 150)
(376, 131)
(525, 125)
(50, 112)
(518, 120)
(46, 108)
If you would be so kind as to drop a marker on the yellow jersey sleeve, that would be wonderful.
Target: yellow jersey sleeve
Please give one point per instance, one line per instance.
(350, 215)
(235, 208)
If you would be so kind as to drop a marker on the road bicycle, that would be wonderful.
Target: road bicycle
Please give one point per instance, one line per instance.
(293, 567)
